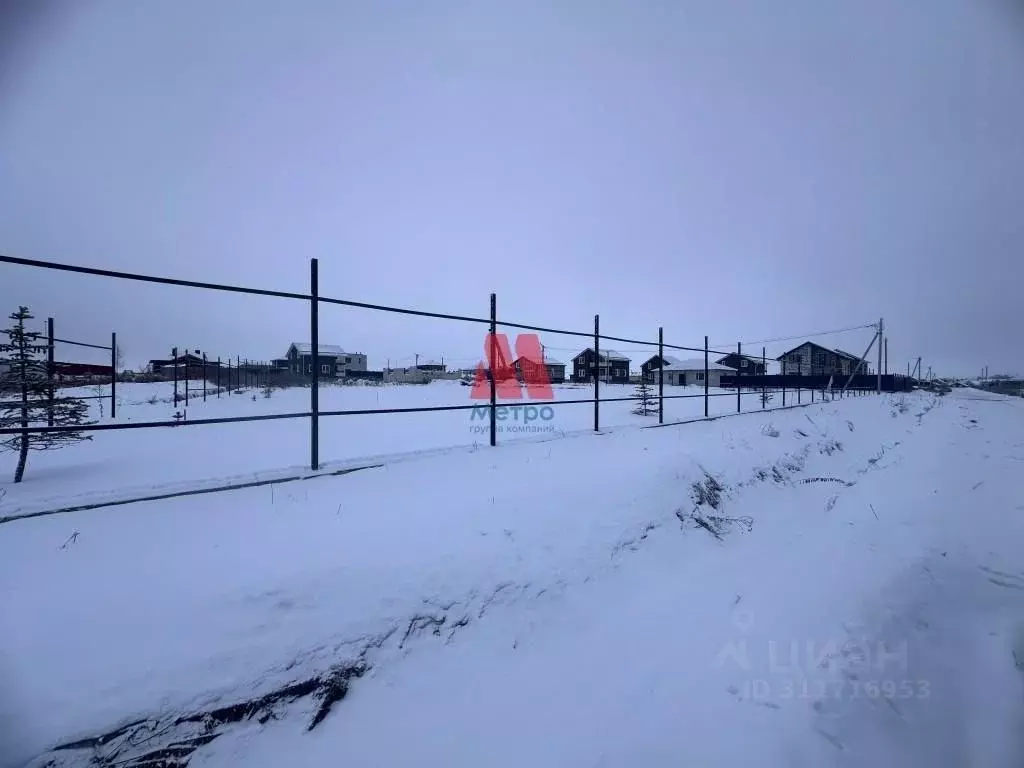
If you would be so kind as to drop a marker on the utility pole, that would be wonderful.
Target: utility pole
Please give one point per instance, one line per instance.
(881, 331)
(886, 355)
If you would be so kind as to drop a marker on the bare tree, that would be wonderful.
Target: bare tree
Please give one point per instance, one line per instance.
(25, 396)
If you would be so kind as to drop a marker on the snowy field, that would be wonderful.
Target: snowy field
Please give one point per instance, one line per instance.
(835, 585)
(137, 462)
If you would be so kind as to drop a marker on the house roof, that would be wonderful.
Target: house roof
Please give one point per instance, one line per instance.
(170, 360)
(548, 360)
(429, 362)
(606, 354)
(327, 350)
(741, 357)
(839, 352)
(669, 359)
(804, 344)
(695, 364)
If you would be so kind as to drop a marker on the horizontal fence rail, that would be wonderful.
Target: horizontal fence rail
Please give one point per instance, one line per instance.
(496, 375)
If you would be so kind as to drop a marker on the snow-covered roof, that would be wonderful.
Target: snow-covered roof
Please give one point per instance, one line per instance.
(305, 348)
(847, 354)
(695, 364)
(548, 360)
(606, 354)
(731, 355)
(669, 359)
(836, 351)
(431, 362)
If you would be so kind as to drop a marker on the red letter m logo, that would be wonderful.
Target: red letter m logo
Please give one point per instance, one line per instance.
(501, 364)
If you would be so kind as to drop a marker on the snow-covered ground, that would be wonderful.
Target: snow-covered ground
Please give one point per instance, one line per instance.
(136, 462)
(553, 604)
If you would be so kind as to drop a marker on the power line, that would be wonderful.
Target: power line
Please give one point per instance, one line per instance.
(808, 335)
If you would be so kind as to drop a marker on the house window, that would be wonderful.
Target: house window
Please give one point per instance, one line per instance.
(700, 375)
(324, 368)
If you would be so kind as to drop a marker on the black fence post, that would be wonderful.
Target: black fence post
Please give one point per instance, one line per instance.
(206, 369)
(174, 356)
(492, 356)
(705, 377)
(799, 389)
(186, 378)
(739, 371)
(238, 371)
(314, 389)
(229, 377)
(661, 375)
(764, 381)
(50, 369)
(597, 372)
(218, 377)
(113, 374)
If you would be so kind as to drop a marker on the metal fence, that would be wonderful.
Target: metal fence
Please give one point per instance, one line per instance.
(245, 374)
(314, 299)
(55, 369)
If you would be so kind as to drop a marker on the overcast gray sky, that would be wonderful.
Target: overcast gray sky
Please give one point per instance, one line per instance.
(746, 170)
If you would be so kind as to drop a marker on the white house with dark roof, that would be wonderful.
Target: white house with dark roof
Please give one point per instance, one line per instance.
(690, 372)
(649, 368)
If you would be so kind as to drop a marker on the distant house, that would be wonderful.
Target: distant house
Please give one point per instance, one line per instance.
(351, 363)
(332, 359)
(526, 369)
(82, 370)
(613, 367)
(189, 360)
(745, 364)
(683, 373)
(430, 366)
(649, 368)
(420, 373)
(810, 359)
